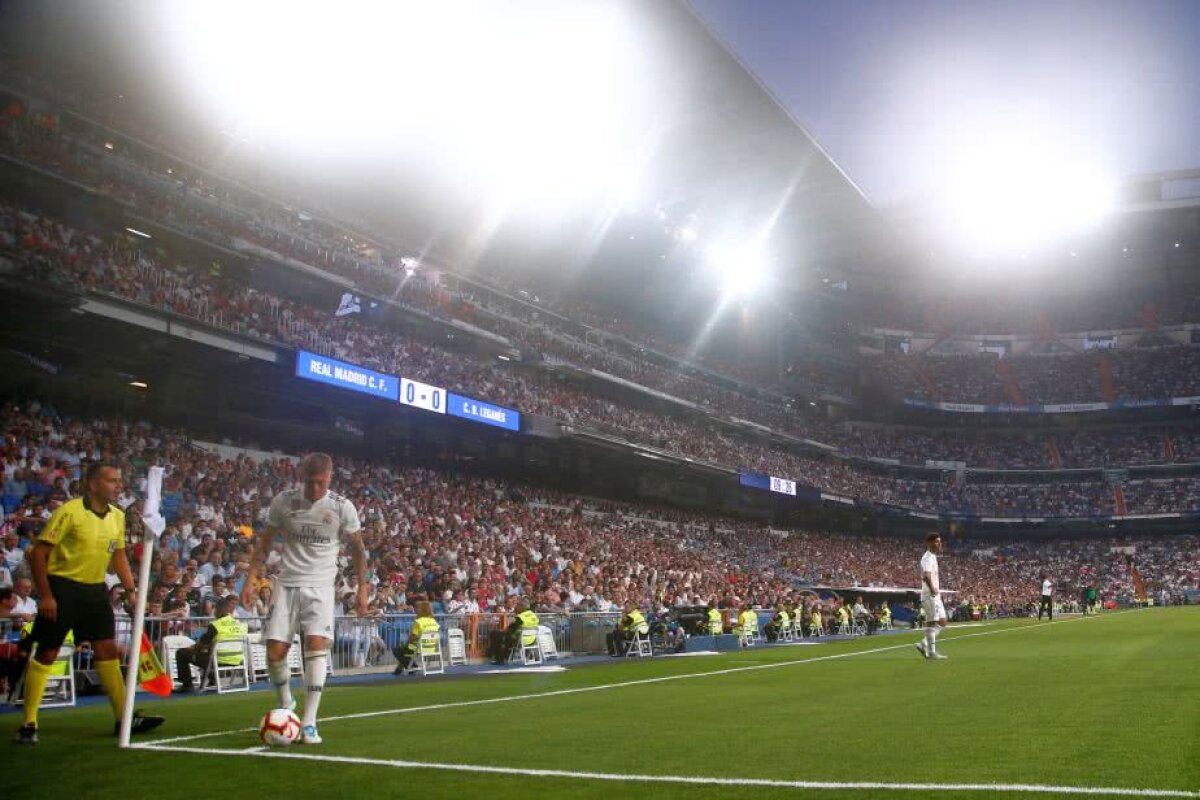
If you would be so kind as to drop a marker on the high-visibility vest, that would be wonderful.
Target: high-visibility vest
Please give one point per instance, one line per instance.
(424, 625)
(58, 668)
(783, 619)
(843, 615)
(747, 622)
(529, 626)
(636, 623)
(229, 629)
(715, 626)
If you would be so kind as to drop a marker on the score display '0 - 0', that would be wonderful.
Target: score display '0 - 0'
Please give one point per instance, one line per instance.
(422, 395)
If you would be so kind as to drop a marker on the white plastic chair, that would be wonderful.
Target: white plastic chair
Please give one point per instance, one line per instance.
(546, 639)
(428, 659)
(60, 689)
(168, 647)
(456, 647)
(639, 646)
(225, 675)
(529, 649)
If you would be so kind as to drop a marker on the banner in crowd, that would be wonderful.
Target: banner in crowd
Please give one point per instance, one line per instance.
(1051, 408)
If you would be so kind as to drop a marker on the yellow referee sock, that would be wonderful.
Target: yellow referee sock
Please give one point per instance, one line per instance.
(109, 673)
(36, 675)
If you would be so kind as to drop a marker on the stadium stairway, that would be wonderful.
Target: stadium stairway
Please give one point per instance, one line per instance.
(1168, 447)
(1107, 384)
(1054, 452)
(1119, 500)
(923, 377)
(1010, 382)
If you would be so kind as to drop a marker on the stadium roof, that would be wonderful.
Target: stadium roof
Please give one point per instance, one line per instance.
(723, 148)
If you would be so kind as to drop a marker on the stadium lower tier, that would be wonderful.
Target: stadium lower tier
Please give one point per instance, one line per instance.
(481, 544)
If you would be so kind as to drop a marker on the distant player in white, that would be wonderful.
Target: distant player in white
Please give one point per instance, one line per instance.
(312, 522)
(931, 598)
(1047, 604)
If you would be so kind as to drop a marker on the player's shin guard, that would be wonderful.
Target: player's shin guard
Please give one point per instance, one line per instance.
(281, 677)
(109, 673)
(36, 676)
(316, 667)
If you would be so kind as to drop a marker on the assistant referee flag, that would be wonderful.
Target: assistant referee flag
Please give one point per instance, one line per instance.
(151, 674)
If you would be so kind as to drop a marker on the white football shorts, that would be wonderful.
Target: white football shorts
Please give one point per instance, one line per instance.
(300, 609)
(934, 610)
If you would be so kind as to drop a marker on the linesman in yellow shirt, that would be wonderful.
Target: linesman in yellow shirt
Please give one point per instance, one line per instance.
(69, 561)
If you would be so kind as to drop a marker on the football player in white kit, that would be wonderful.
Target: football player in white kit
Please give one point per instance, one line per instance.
(312, 523)
(931, 598)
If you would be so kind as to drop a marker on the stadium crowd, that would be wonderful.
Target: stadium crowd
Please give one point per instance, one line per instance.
(1151, 373)
(479, 544)
(51, 252)
(181, 198)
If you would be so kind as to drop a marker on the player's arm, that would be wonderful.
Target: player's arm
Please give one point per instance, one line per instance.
(927, 578)
(120, 565)
(39, 560)
(358, 552)
(258, 557)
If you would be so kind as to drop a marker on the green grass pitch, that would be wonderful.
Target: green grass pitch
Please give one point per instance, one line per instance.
(1103, 703)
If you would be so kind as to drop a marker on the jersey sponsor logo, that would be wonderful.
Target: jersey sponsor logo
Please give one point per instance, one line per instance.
(309, 534)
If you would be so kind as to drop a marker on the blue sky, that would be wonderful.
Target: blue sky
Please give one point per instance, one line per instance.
(888, 86)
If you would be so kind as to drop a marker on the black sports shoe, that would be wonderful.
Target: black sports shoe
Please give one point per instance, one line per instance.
(141, 724)
(26, 734)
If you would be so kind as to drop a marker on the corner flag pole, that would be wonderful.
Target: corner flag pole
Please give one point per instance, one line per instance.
(154, 528)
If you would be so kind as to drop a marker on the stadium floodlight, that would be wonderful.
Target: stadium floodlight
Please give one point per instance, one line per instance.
(740, 270)
(537, 104)
(1008, 194)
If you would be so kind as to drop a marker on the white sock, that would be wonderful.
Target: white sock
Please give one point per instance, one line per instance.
(929, 640)
(281, 676)
(933, 634)
(316, 667)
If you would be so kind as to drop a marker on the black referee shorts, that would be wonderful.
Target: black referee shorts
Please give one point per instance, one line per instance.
(83, 608)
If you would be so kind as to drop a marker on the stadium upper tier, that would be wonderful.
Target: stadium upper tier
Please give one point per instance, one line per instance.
(225, 212)
(49, 253)
(465, 540)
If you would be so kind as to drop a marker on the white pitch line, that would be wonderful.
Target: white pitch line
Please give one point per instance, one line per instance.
(622, 684)
(1029, 788)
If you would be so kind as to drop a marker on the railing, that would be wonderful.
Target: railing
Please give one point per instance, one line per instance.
(367, 643)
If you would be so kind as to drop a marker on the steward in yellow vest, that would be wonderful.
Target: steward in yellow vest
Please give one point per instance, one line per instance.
(631, 625)
(58, 668)
(780, 622)
(224, 628)
(424, 623)
(716, 625)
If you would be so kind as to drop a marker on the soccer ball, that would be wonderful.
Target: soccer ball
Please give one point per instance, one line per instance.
(280, 727)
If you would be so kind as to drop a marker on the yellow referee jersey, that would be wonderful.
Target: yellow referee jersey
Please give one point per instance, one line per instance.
(84, 541)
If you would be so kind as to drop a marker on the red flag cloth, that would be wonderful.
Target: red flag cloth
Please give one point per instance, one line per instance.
(151, 675)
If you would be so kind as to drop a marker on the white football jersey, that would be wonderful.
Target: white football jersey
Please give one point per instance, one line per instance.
(929, 564)
(311, 534)
(1047, 587)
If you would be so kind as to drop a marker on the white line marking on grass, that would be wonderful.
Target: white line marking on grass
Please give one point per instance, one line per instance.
(1031, 788)
(639, 682)
(517, 670)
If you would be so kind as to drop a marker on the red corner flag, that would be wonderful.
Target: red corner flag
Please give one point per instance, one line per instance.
(151, 674)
